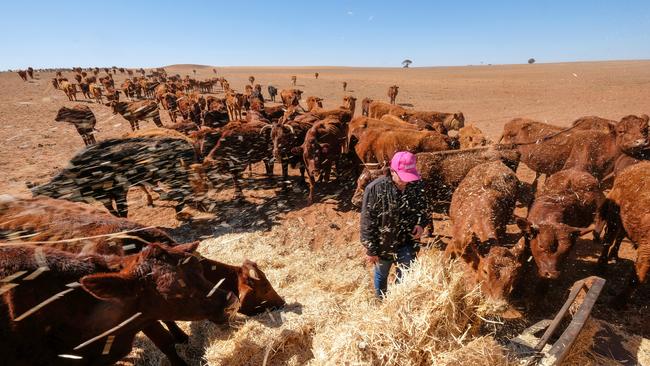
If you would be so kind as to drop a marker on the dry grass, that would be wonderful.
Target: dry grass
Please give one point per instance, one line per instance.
(332, 317)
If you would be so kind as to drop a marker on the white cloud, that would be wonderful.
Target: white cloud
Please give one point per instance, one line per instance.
(370, 18)
(350, 12)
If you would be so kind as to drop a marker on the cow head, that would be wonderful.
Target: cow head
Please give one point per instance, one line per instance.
(314, 102)
(255, 291)
(499, 270)
(62, 114)
(165, 283)
(632, 134)
(314, 154)
(549, 243)
(282, 135)
(349, 102)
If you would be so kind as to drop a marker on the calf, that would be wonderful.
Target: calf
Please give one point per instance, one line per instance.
(69, 89)
(105, 172)
(560, 214)
(30, 72)
(96, 91)
(22, 74)
(426, 120)
(134, 112)
(293, 80)
(626, 209)
(128, 294)
(235, 103)
(82, 118)
(392, 93)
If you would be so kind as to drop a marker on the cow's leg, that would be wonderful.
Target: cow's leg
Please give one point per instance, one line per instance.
(164, 341)
(176, 332)
(157, 121)
(92, 139)
(613, 253)
(268, 165)
(239, 193)
(326, 172)
(312, 185)
(285, 170)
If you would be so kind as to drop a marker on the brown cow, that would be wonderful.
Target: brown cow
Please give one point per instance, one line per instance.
(134, 112)
(426, 120)
(314, 103)
(251, 79)
(291, 97)
(96, 91)
(22, 74)
(594, 123)
(377, 109)
(349, 103)
(69, 89)
(159, 283)
(481, 207)
(85, 90)
(345, 86)
(392, 93)
(293, 80)
(560, 214)
(235, 103)
(626, 210)
(30, 72)
(82, 118)
(378, 145)
(316, 75)
(365, 106)
(320, 150)
(168, 102)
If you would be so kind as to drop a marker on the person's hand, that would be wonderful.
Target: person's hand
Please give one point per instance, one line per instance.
(417, 232)
(372, 259)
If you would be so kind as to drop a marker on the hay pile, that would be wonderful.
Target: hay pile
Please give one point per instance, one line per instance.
(332, 317)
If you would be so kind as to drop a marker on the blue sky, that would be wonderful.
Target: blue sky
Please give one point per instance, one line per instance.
(49, 33)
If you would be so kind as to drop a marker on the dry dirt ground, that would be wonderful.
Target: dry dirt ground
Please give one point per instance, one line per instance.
(35, 147)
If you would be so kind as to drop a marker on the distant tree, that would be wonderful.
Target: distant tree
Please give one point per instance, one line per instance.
(531, 61)
(406, 63)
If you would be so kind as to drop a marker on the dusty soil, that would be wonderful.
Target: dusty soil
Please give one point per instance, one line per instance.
(35, 147)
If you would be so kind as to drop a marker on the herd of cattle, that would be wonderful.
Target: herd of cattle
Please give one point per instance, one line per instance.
(119, 277)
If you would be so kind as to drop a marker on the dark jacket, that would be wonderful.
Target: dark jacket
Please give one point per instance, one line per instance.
(388, 216)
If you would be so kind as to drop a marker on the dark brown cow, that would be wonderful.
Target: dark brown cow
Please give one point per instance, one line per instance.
(235, 103)
(30, 72)
(320, 150)
(481, 207)
(560, 214)
(287, 136)
(392, 93)
(82, 118)
(168, 102)
(316, 75)
(273, 91)
(626, 214)
(85, 90)
(134, 112)
(128, 294)
(345, 86)
(444, 170)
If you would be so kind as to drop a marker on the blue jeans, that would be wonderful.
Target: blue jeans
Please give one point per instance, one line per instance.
(403, 258)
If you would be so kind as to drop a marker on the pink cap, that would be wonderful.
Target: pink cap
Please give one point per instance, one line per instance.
(403, 163)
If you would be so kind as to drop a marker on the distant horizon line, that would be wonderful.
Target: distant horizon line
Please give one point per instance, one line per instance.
(335, 66)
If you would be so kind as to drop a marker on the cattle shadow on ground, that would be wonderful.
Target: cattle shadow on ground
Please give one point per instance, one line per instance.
(405, 105)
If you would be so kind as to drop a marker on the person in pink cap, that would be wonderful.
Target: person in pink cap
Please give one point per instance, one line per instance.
(393, 214)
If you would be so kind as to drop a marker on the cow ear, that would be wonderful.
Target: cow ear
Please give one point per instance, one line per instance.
(106, 286)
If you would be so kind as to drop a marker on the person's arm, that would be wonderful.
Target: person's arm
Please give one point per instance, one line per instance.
(370, 222)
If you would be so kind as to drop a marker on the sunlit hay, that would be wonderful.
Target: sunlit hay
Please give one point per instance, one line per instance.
(428, 319)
